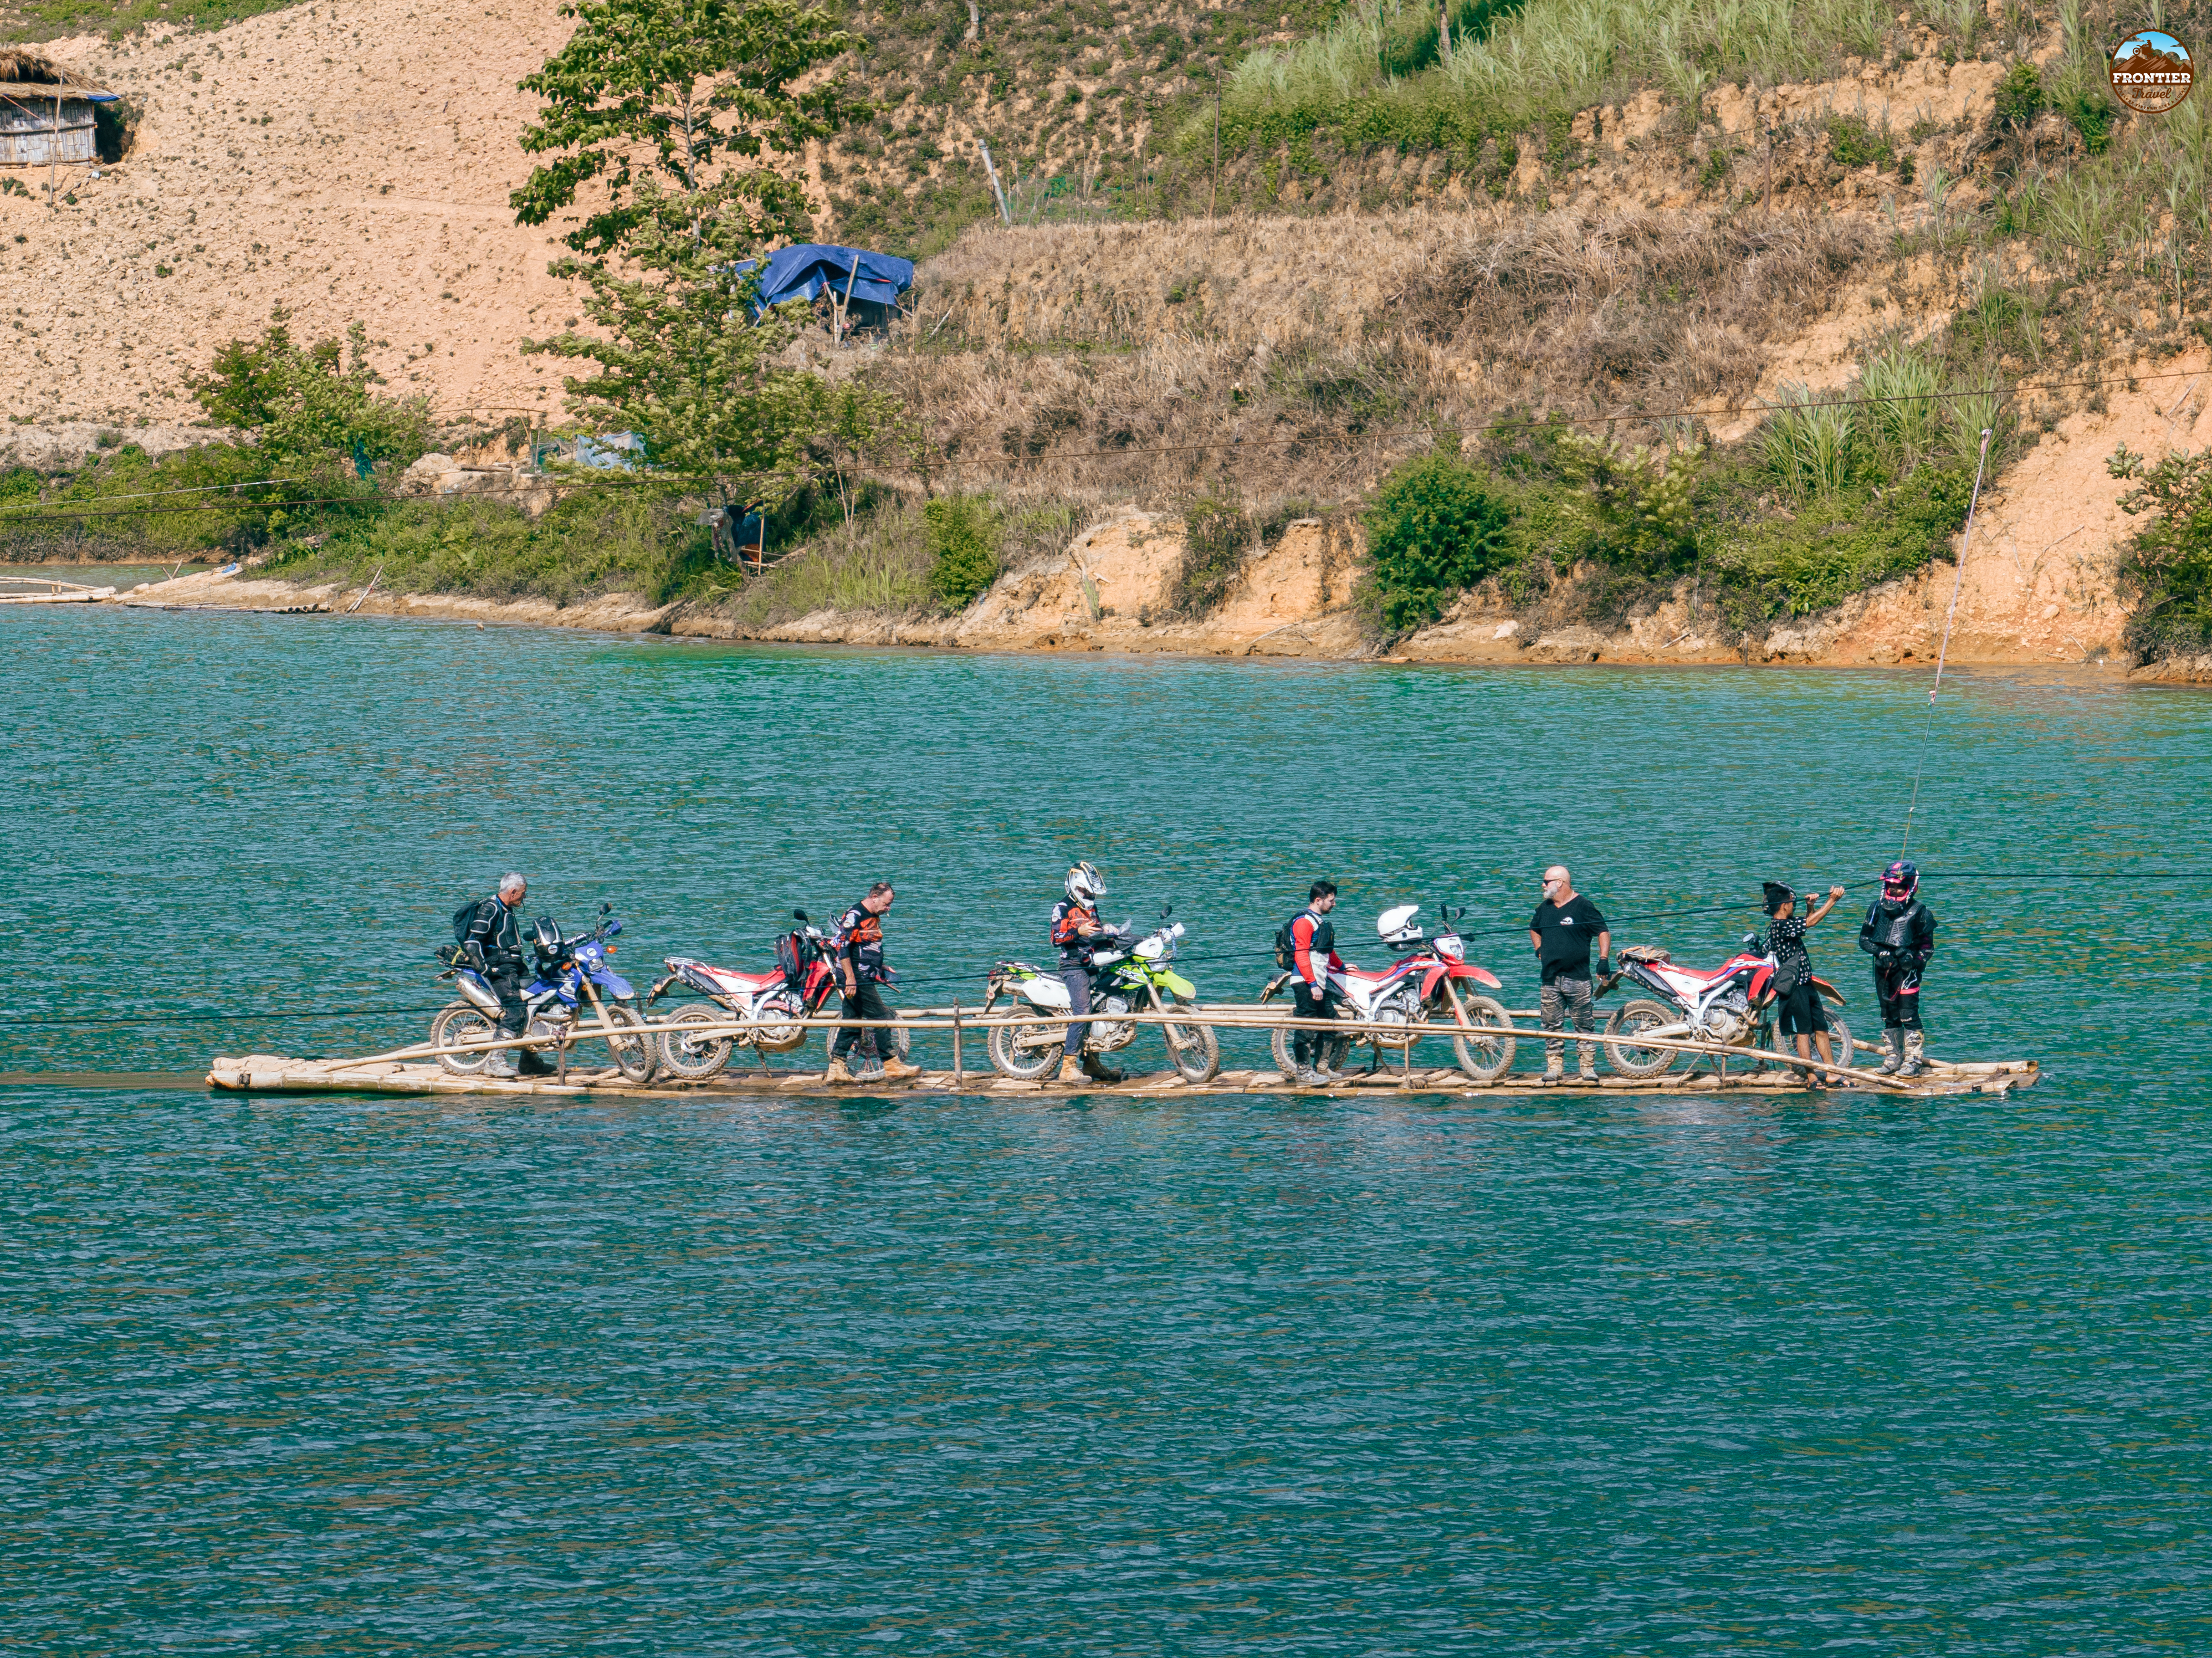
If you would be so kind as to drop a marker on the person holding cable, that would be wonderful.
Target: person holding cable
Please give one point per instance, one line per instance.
(1077, 934)
(858, 942)
(1560, 933)
(1801, 1014)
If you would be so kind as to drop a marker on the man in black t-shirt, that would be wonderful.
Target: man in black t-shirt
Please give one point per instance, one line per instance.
(1560, 933)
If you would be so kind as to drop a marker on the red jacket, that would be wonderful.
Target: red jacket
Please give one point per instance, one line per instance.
(1304, 931)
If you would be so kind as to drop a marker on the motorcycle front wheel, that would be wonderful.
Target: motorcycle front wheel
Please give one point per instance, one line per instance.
(901, 1040)
(1486, 1059)
(691, 1057)
(1026, 1052)
(637, 1056)
(1193, 1049)
(462, 1022)
(1621, 1052)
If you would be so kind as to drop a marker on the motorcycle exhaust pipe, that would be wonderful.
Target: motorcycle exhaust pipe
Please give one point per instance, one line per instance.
(477, 993)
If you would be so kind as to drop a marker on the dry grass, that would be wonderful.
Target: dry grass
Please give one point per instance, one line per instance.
(1301, 358)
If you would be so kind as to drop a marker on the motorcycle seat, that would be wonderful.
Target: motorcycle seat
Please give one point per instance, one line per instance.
(749, 980)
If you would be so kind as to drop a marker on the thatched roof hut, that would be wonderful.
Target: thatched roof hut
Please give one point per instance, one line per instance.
(46, 114)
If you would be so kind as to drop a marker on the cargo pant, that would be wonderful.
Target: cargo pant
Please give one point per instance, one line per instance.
(1553, 1001)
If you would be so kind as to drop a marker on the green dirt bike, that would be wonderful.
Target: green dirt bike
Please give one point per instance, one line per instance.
(1137, 978)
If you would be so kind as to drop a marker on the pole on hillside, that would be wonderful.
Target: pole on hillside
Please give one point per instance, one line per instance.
(54, 159)
(985, 150)
(1213, 208)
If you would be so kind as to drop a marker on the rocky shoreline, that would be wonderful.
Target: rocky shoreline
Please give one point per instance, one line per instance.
(1297, 615)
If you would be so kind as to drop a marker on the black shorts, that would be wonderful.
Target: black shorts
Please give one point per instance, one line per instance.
(1802, 1013)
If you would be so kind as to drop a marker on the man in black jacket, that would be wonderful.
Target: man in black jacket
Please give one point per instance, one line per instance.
(858, 941)
(1899, 933)
(498, 933)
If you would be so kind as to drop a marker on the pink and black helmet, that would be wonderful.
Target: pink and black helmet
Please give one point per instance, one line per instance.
(1900, 881)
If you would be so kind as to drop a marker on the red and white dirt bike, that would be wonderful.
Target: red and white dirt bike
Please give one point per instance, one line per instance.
(1734, 1004)
(804, 978)
(1417, 989)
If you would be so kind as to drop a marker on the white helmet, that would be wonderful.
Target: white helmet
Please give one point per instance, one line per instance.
(1401, 925)
(1085, 883)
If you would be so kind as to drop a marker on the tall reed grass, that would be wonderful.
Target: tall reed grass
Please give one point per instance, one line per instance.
(1555, 55)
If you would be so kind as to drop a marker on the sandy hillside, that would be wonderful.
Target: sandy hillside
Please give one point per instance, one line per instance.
(345, 161)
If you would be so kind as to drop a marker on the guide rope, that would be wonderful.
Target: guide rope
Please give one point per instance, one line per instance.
(1958, 580)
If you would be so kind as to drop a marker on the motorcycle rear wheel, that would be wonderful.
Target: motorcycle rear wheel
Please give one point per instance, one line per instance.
(1193, 1049)
(462, 1022)
(636, 1056)
(690, 1057)
(1025, 1052)
(1627, 1020)
(1839, 1044)
(1486, 1059)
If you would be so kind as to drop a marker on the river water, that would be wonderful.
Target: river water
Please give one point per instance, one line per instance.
(981, 1375)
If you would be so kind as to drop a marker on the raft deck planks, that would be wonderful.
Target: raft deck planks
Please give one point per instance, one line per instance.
(268, 1073)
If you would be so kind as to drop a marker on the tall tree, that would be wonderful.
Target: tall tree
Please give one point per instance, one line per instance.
(671, 115)
(678, 109)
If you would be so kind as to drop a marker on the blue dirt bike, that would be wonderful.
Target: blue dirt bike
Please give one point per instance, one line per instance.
(573, 975)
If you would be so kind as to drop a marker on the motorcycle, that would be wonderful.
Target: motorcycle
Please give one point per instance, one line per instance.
(572, 971)
(1433, 983)
(1138, 977)
(1734, 1004)
(804, 978)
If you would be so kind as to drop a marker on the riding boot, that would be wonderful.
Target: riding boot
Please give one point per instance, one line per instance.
(536, 1065)
(897, 1070)
(502, 1066)
(1891, 1057)
(1098, 1070)
(1916, 1053)
(839, 1072)
(1071, 1070)
(1555, 1068)
(1588, 1070)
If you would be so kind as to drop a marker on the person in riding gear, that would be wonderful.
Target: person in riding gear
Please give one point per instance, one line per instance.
(1801, 1013)
(857, 943)
(1560, 933)
(1077, 932)
(496, 934)
(1312, 956)
(1899, 933)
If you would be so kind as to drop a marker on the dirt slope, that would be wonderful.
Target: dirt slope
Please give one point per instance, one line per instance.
(344, 160)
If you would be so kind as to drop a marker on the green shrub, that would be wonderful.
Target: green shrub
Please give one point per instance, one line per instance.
(1216, 536)
(1840, 544)
(1643, 500)
(2020, 95)
(2168, 566)
(1856, 145)
(1437, 526)
(962, 532)
(310, 409)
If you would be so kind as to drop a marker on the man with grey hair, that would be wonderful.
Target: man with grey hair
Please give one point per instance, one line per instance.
(1560, 933)
(498, 933)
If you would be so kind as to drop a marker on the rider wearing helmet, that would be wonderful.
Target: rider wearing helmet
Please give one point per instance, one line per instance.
(1076, 932)
(1899, 933)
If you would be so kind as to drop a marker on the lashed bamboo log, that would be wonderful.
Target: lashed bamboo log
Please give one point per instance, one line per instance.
(1403, 1035)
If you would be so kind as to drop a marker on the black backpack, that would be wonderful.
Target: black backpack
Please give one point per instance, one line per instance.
(1286, 947)
(465, 918)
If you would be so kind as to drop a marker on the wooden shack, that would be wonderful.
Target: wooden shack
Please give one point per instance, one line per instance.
(46, 115)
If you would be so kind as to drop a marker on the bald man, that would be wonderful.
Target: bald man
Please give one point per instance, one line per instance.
(1560, 933)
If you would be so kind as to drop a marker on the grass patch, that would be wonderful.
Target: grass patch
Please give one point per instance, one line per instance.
(48, 20)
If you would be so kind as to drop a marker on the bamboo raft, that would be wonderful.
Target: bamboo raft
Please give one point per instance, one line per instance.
(43, 590)
(403, 1072)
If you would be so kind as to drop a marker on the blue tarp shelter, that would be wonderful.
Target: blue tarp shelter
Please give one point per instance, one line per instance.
(803, 272)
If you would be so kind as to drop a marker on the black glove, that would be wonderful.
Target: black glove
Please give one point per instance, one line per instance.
(1605, 967)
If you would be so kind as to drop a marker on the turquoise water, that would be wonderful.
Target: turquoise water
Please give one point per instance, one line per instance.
(980, 1374)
